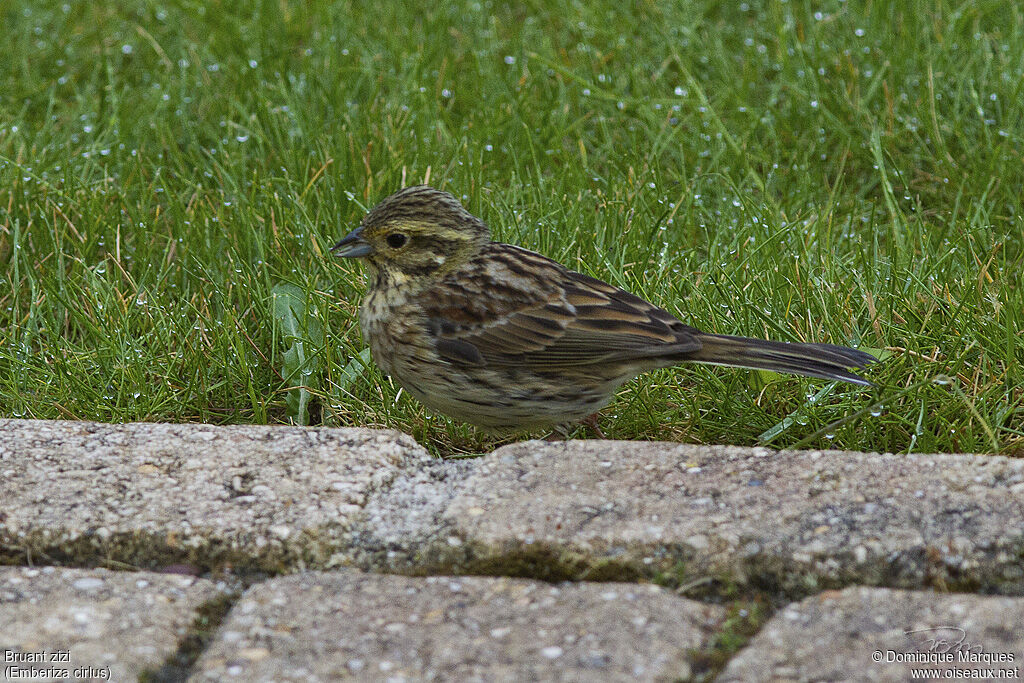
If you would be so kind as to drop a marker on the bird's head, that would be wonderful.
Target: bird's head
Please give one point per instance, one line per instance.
(418, 232)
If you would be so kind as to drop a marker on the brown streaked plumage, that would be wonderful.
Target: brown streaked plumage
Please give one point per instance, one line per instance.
(504, 338)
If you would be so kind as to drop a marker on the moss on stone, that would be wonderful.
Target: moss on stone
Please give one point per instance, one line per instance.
(744, 618)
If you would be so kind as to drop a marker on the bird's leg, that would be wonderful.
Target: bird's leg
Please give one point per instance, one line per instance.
(560, 433)
(591, 421)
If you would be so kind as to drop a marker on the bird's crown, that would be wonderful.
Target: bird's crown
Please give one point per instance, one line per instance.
(417, 231)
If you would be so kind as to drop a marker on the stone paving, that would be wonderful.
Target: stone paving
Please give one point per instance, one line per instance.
(455, 628)
(880, 634)
(95, 624)
(352, 553)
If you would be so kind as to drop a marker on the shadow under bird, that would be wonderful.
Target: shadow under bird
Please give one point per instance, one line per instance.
(506, 339)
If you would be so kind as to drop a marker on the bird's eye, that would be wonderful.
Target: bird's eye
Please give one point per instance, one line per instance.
(397, 240)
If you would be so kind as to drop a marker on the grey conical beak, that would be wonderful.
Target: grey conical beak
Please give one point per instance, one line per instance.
(352, 245)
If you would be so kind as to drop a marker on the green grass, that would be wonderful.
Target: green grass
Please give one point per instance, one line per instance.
(800, 171)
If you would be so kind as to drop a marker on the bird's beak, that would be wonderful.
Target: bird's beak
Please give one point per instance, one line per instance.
(352, 245)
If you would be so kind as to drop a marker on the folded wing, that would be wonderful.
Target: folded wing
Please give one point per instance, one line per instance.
(538, 314)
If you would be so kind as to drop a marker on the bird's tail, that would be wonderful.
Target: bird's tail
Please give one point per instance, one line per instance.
(825, 361)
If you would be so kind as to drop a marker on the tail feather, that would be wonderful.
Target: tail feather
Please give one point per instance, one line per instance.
(825, 361)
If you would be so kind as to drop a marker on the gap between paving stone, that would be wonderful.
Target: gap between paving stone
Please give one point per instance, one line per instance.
(194, 642)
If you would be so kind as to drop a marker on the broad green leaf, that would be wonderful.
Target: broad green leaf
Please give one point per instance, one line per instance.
(303, 334)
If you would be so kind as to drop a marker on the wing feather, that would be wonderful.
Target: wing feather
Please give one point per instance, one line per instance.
(547, 316)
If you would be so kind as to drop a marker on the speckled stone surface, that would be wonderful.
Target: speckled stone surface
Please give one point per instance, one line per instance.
(156, 494)
(789, 522)
(93, 624)
(337, 625)
(877, 634)
(286, 499)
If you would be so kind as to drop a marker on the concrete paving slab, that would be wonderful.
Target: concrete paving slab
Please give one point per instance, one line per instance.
(94, 624)
(789, 523)
(281, 499)
(326, 626)
(877, 634)
(150, 495)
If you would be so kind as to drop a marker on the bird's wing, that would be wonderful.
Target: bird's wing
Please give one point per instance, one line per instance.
(512, 306)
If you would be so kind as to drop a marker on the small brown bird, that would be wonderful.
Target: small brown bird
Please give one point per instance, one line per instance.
(504, 338)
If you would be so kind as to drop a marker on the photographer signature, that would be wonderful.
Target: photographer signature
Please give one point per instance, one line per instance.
(945, 639)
